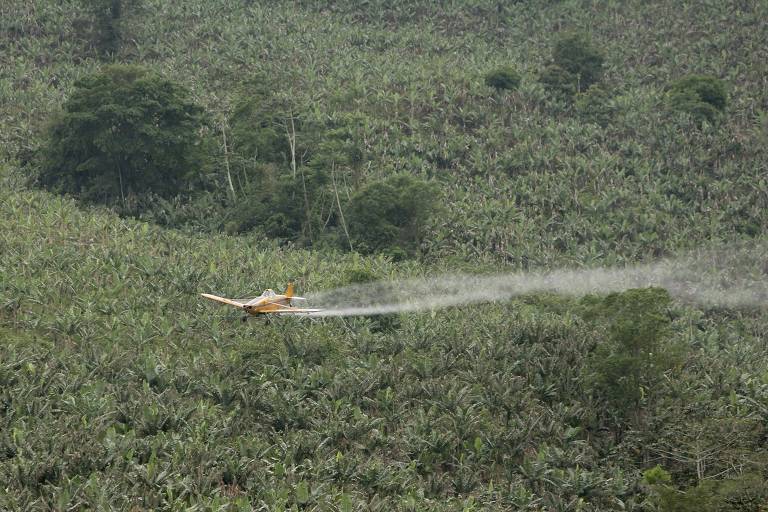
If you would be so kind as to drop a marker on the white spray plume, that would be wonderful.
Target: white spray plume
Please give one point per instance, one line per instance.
(736, 278)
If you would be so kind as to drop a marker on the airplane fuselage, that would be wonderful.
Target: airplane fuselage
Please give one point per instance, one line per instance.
(268, 305)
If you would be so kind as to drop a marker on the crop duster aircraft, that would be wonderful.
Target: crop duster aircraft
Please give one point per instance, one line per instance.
(268, 303)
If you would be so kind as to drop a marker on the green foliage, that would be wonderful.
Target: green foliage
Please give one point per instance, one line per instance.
(422, 112)
(709, 89)
(576, 54)
(693, 500)
(120, 390)
(559, 81)
(503, 78)
(390, 215)
(107, 35)
(279, 205)
(263, 205)
(744, 493)
(124, 132)
(338, 145)
(703, 97)
(104, 380)
(656, 476)
(637, 319)
(291, 169)
(628, 368)
(259, 125)
(576, 65)
(360, 274)
(595, 106)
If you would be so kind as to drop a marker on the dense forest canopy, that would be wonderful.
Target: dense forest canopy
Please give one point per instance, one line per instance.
(124, 133)
(152, 150)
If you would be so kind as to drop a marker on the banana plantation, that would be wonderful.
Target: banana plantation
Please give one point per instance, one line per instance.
(154, 150)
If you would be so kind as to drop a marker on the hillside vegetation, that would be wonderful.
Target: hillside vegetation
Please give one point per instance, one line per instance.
(119, 389)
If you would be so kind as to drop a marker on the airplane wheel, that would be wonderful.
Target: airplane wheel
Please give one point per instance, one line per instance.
(245, 319)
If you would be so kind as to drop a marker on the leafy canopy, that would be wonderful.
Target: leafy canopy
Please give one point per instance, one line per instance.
(745, 492)
(576, 65)
(629, 365)
(704, 97)
(391, 214)
(503, 78)
(259, 124)
(124, 131)
(558, 81)
(576, 54)
(106, 31)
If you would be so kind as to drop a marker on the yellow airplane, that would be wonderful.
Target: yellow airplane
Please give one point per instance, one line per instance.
(268, 302)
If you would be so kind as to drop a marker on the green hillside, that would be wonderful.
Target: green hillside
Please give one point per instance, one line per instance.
(119, 389)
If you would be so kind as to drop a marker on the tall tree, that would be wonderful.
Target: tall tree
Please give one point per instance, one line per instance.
(390, 215)
(626, 370)
(124, 131)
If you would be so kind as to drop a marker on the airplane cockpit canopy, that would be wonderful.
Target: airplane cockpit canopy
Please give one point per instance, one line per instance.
(268, 293)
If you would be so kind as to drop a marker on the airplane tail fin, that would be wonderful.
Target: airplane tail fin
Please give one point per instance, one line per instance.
(289, 290)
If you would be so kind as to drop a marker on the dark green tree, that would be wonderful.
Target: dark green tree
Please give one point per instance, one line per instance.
(746, 492)
(124, 132)
(576, 54)
(305, 202)
(559, 82)
(576, 65)
(260, 124)
(503, 78)
(106, 24)
(275, 204)
(390, 215)
(703, 97)
(627, 368)
(277, 154)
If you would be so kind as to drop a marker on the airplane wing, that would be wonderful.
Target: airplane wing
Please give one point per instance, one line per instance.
(297, 311)
(290, 310)
(223, 300)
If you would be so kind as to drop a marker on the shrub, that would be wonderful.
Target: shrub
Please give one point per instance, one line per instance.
(746, 492)
(576, 54)
(124, 132)
(272, 205)
(503, 78)
(703, 97)
(390, 215)
(576, 65)
(558, 81)
(656, 476)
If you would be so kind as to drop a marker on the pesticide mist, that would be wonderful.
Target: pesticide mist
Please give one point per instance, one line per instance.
(718, 278)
